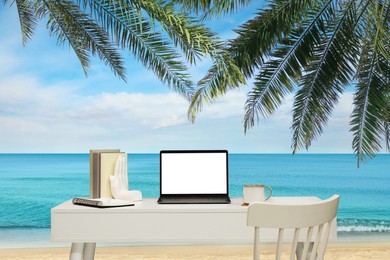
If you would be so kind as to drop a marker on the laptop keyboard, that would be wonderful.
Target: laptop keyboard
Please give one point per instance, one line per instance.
(194, 200)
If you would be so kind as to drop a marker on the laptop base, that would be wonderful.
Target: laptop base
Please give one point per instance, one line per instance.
(194, 199)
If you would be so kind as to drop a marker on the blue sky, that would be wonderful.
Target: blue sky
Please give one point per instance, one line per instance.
(48, 105)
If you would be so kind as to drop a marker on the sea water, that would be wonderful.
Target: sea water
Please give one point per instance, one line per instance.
(32, 184)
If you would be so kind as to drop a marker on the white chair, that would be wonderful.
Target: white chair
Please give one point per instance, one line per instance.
(316, 217)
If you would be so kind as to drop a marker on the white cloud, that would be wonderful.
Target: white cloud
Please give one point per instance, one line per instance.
(55, 118)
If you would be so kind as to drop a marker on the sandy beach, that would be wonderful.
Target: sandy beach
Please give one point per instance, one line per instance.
(335, 251)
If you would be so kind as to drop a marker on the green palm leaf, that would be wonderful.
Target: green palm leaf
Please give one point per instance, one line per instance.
(194, 39)
(330, 70)
(387, 122)
(85, 36)
(222, 76)
(213, 8)
(315, 49)
(152, 31)
(246, 52)
(257, 37)
(370, 114)
(278, 76)
(367, 114)
(27, 18)
(134, 32)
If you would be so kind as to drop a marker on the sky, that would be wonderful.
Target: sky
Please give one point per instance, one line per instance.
(48, 105)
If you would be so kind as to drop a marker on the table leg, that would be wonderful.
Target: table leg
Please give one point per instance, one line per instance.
(76, 251)
(89, 251)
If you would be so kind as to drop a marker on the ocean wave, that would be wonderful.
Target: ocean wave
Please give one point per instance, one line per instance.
(15, 227)
(363, 225)
(44, 179)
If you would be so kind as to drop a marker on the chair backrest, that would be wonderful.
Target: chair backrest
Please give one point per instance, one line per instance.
(315, 217)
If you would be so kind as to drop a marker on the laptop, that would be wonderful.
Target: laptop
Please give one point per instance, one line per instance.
(194, 177)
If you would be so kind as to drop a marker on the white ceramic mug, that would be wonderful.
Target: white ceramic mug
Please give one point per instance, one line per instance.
(255, 192)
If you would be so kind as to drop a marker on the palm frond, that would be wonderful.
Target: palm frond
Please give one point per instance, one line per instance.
(194, 39)
(223, 75)
(379, 16)
(279, 74)
(27, 19)
(223, 8)
(132, 31)
(386, 123)
(84, 35)
(331, 69)
(367, 113)
(259, 36)
(211, 8)
(247, 52)
(369, 116)
(386, 74)
(369, 104)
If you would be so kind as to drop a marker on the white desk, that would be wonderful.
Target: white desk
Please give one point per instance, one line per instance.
(152, 223)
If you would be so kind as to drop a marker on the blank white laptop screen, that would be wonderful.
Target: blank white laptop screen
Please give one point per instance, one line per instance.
(194, 173)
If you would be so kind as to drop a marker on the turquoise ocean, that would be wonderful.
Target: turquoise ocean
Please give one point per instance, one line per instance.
(32, 184)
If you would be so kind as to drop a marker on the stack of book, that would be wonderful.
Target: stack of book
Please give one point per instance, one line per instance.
(102, 166)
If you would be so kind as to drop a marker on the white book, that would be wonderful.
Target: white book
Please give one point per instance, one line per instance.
(102, 202)
(94, 158)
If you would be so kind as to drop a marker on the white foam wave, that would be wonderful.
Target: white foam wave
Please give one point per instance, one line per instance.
(361, 228)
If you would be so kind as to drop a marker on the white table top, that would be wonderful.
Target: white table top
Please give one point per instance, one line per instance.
(151, 205)
(150, 222)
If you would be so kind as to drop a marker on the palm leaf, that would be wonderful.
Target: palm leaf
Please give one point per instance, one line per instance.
(259, 36)
(386, 75)
(246, 53)
(386, 122)
(211, 8)
(369, 116)
(224, 73)
(278, 76)
(85, 36)
(27, 18)
(332, 68)
(134, 32)
(193, 38)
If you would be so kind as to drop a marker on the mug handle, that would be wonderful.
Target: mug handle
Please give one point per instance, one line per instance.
(270, 192)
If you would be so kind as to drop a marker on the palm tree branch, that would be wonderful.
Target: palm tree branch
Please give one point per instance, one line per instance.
(224, 8)
(193, 38)
(370, 114)
(387, 121)
(276, 81)
(382, 33)
(57, 26)
(369, 106)
(86, 34)
(27, 19)
(257, 37)
(387, 75)
(359, 136)
(223, 75)
(135, 33)
(322, 84)
(240, 48)
(212, 8)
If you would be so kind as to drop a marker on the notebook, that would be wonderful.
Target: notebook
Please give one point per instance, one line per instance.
(194, 177)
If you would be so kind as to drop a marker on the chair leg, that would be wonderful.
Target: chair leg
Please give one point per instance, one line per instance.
(256, 250)
(299, 250)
